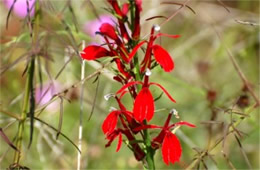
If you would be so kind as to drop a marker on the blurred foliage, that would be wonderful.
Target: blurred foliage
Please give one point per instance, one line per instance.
(202, 65)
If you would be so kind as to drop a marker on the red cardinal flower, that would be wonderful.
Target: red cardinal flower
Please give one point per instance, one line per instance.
(121, 15)
(122, 47)
(160, 54)
(144, 103)
(108, 30)
(138, 152)
(125, 9)
(110, 122)
(171, 147)
(94, 52)
(111, 137)
(112, 132)
(166, 129)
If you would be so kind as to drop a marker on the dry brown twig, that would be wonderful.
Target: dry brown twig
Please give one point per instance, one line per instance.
(232, 128)
(238, 70)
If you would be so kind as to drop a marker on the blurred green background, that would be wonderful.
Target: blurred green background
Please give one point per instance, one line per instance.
(203, 73)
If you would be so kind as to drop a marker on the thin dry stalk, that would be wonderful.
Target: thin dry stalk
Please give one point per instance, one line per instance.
(81, 109)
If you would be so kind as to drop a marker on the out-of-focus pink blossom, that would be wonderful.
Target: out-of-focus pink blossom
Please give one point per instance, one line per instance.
(44, 95)
(20, 7)
(92, 27)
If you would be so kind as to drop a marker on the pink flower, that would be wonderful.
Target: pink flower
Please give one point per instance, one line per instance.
(44, 95)
(20, 7)
(93, 26)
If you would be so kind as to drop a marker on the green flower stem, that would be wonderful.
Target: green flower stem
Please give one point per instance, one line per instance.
(147, 140)
(13, 115)
(149, 151)
(134, 43)
(28, 87)
(136, 67)
(132, 14)
(24, 112)
(137, 72)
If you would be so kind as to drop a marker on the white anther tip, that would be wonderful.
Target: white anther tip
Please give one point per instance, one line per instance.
(107, 96)
(157, 28)
(148, 72)
(175, 113)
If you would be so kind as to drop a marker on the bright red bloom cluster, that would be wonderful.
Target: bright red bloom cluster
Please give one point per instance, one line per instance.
(134, 77)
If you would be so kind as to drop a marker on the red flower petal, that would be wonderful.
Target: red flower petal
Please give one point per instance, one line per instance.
(163, 58)
(143, 105)
(110, 122)
(128, 85)
(171, 148)
(137, 27)
(122, 94)
(125, 9)
(119, 78)
(116, 7)
(131, 55)
(167, 35)
(94, 52)
(108, 30)
(183, 123)
(121, 68)
(123, 52)
(165, 91)
(111, 137)
(139, 5)
(119, 144)
(157, 141)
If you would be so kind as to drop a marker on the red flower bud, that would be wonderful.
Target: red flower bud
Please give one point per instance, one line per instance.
(94, 52)
(108, 30)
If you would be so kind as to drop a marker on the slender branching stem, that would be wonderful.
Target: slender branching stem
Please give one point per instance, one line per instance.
(81, 110)
(24, 112)
(231, 129)
(10, 114)
(28, 87)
